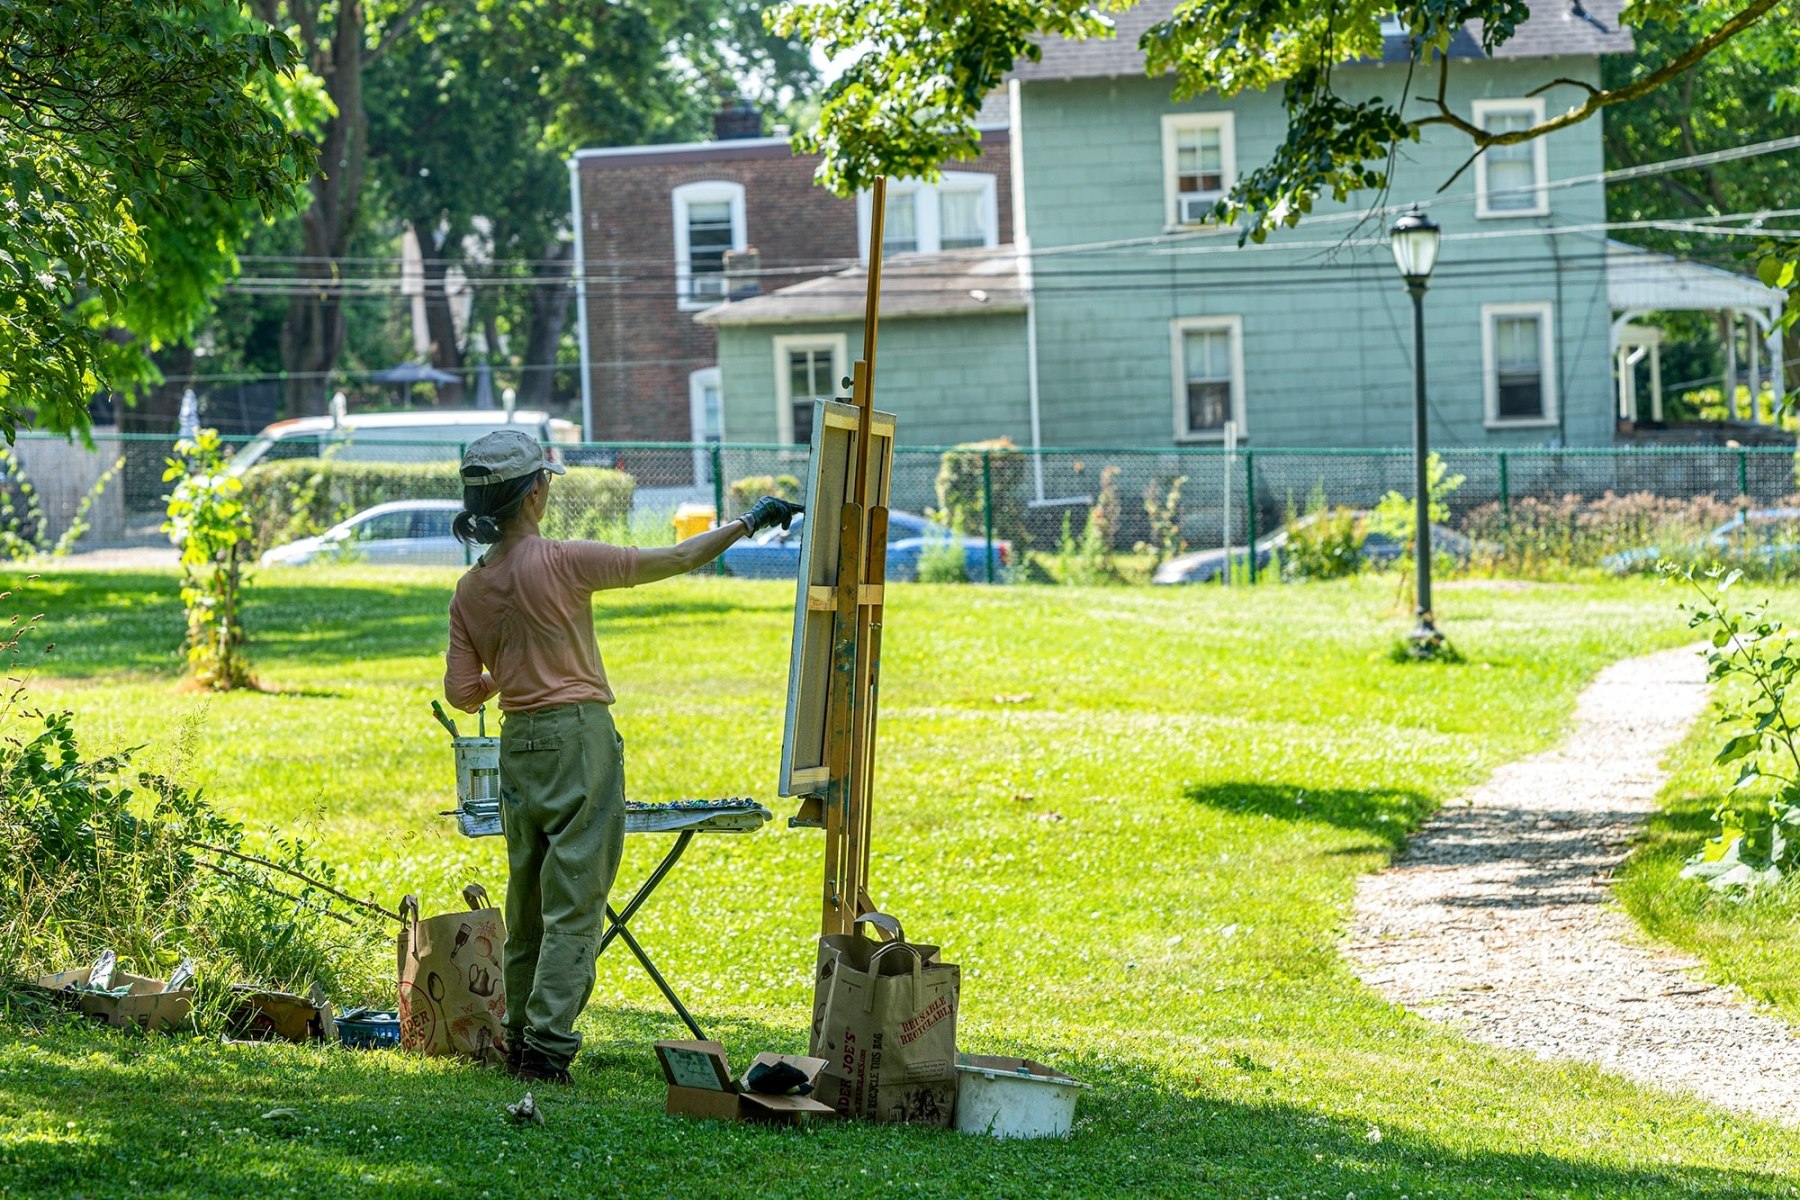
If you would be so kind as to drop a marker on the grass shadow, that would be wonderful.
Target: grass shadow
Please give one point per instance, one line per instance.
(137, 1115)
(1387, 814)
(130, 623)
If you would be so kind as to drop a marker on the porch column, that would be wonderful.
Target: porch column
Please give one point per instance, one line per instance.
(1656, 381)
(1626, 401)
(1751, 347)
(1728, 328)
(1777, 368)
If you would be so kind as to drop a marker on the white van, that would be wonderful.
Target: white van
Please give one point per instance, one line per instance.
(428, 436)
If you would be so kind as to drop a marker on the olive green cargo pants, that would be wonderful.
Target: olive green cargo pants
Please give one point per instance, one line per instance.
(562, 790)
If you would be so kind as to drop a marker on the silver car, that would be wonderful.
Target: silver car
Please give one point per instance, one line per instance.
(400, 532)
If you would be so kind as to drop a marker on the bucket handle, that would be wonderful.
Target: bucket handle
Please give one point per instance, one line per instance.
(886, 924)
(409, 927)
(476, 897)
(918, 973)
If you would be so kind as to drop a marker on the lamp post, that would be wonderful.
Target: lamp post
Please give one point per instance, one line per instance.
(1415, 243)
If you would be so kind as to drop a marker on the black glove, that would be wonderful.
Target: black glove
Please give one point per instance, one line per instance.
(777, 1079)
(769, 512)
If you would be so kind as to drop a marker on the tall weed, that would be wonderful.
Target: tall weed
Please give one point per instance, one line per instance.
(98, 853)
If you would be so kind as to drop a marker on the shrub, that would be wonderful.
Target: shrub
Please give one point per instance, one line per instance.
(748, 490)
(1085, 562)
(1326, 544)
(961, 491)
(97, 855)
(589, 502)
(1759, 820)
(1551, 535)
(1398, 516)
(943, 561)
(209, 525)
(1163, 508)
(300, 497)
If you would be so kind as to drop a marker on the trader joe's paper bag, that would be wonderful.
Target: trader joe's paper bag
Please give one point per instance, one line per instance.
(452, 1000)
(884, 1020)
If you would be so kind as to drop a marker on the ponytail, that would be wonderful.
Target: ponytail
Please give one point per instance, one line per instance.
(487, 510)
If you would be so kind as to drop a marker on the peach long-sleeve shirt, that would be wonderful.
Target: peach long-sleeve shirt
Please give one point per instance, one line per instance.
(528, 619)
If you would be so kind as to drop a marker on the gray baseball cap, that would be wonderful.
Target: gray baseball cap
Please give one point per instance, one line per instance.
(503, 455)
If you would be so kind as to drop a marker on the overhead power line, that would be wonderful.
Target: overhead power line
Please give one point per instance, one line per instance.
(1644, 170)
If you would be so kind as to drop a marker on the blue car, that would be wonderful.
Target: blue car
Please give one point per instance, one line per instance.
(1768, 534)
(775, 553)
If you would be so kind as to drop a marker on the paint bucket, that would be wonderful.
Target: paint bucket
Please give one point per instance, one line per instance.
(477, 771)
(1013, 1097)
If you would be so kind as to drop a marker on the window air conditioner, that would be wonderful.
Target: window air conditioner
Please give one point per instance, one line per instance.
(710, 286)
(1193, 209)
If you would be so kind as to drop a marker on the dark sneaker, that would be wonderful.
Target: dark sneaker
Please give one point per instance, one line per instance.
(537, 1067)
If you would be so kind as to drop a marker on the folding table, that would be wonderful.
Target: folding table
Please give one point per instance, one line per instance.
(683, 818)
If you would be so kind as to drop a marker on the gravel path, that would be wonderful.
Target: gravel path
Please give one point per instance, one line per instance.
(1495, 918)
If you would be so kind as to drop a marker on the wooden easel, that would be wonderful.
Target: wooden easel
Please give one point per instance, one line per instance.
(852, 705)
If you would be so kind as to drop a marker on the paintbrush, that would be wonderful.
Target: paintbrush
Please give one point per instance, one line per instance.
(437, 710)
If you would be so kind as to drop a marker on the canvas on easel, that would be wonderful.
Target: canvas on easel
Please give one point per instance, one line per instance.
(804, 743)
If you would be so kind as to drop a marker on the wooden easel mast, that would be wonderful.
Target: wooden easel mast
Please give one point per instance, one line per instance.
(856, 636)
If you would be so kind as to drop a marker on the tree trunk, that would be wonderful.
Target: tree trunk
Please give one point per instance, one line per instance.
(548, 311)
(440, 325)
(313, 335)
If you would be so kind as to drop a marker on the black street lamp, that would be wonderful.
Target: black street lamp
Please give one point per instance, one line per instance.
(1415, 242)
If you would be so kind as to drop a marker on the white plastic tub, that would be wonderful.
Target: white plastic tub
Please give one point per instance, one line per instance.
(1013, 1097)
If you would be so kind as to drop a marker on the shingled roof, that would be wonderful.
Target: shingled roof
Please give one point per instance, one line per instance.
(912, 285)
(1552, 31)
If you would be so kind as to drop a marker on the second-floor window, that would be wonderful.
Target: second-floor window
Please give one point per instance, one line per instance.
(959, 212)
(1199, 165)
(1509, 180)
(709, 220)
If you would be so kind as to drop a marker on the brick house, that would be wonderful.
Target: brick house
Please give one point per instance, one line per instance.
(666, 232)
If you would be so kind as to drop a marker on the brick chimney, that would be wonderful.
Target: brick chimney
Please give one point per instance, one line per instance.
(737, 120)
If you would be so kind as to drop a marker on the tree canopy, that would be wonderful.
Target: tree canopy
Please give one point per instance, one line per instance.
(472, 117)
(920, 69)
(136, 142)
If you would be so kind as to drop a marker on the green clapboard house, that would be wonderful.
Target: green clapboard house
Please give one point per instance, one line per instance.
(1119, 318)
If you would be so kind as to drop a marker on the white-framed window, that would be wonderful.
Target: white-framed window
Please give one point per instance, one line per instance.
(706, 418)
(1207, 361)
(1518, 358)
(709, 220)
(1199, 165)
(959, 212)
(808, 367)
(1510, 180)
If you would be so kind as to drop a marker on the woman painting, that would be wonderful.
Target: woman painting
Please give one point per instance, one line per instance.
(522, 628)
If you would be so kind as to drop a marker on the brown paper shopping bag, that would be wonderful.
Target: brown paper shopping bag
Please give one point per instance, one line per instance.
(451, 996)
(884, 1020)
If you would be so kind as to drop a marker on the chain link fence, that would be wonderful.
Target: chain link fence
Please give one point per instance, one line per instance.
(1134, 508)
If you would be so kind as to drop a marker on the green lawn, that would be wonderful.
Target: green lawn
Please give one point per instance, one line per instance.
(1752, 942)
(1136, 819)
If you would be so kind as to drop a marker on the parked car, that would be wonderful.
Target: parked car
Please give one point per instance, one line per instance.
(1378, 549)
(1759, 534)
(430, 435)
(401, 532)
(775, 553)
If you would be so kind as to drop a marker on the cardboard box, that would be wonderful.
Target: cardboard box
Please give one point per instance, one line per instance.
(149, 1004)
(700, 1085)
(260, 1013)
